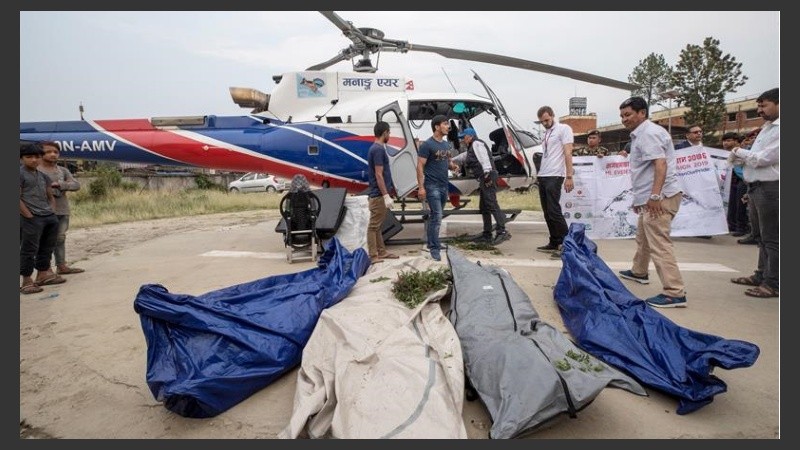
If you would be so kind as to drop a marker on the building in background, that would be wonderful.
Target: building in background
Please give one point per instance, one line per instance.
(741, 116)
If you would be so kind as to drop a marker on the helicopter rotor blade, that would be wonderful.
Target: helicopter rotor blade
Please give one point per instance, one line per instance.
(350, 31)
(343, 56)
(368, 40)
(509, 61)
(337, 20)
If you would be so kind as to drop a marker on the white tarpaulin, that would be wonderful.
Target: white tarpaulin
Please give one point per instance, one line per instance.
(352, 233)
(373, 368)
(602, 197)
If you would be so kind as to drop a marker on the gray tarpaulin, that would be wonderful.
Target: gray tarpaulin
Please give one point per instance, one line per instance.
(524, 370)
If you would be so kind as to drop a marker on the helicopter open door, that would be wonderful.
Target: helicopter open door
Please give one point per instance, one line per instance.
(401, 150)
(520, 143)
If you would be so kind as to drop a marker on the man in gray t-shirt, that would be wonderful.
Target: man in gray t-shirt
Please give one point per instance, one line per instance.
(38, 227)
(433, 160)
(656, 198)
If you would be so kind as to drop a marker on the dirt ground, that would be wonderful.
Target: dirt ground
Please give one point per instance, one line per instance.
(83, 354)
(86, 243)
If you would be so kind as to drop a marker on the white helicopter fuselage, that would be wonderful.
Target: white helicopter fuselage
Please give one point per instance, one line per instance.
(352, 102)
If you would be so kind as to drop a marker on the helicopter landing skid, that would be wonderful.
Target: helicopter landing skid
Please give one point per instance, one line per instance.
(394, 224)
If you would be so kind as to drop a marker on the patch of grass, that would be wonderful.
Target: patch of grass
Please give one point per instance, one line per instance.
(412, 287)
(122, 205)
(581, 361)
(464, 242)
(112, 200)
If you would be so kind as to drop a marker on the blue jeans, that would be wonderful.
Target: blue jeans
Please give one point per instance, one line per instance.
(436, 195)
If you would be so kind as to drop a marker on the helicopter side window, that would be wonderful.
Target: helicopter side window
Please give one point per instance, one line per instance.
(313, 150)
(499, 141)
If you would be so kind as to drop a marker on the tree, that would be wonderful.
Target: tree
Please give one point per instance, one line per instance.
(654, 76)
(704, 76)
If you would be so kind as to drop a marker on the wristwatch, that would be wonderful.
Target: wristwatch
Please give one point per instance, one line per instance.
(656, 197)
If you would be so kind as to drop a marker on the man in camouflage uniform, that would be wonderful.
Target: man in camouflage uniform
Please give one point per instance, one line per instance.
(594, 148)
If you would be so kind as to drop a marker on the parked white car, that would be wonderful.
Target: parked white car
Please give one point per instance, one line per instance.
(258, 182)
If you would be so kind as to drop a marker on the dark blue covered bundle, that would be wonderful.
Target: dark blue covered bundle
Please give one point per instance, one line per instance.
(209, 352)
(615, 326)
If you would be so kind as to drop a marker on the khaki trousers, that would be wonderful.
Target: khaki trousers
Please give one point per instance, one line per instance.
(377, 213)
(653, 242)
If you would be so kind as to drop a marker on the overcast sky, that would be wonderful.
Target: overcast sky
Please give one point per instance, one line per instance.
(145, 64)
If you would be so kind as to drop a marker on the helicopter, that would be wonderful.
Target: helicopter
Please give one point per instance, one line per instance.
(319, 123)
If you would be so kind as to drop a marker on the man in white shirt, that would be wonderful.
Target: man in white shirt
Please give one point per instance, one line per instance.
(762, 171)
(656, 198)
(555, 171)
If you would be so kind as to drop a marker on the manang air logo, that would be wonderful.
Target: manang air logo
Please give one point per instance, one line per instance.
(310, 88)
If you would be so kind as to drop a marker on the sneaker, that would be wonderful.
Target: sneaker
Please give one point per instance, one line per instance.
(629, 275)
(483, 239)
(747, 241)
(436, 255)
(501, 237)
(738, 233)
(665, 301)
(557, 254)
(549, 248)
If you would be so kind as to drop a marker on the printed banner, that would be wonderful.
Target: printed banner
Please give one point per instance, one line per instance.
(602, 198)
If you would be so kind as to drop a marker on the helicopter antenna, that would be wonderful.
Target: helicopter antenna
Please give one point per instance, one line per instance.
(80, 109)
(448, 80)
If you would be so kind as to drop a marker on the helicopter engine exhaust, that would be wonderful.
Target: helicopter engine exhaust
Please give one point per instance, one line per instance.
(250, 98)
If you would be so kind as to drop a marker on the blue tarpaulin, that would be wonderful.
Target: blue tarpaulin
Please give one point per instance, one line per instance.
(615, 326)
(208, 352)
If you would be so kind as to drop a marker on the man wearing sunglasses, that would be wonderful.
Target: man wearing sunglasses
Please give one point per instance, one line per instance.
(694, 137)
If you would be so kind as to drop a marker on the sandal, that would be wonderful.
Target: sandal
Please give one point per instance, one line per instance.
(55, 279)
(69, 270)
(31, 288)
(762, 291)
(389, 256)
(747, 281)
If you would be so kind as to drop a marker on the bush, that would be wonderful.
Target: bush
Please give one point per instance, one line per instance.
(98, 189)
(109, 175)
(202, 181)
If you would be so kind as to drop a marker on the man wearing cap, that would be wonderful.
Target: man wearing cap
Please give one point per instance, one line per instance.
(433, 161)
(479, 164)
(555, 171)
(594, 148)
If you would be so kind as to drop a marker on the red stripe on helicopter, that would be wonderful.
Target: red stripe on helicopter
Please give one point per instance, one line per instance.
(180, 148)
